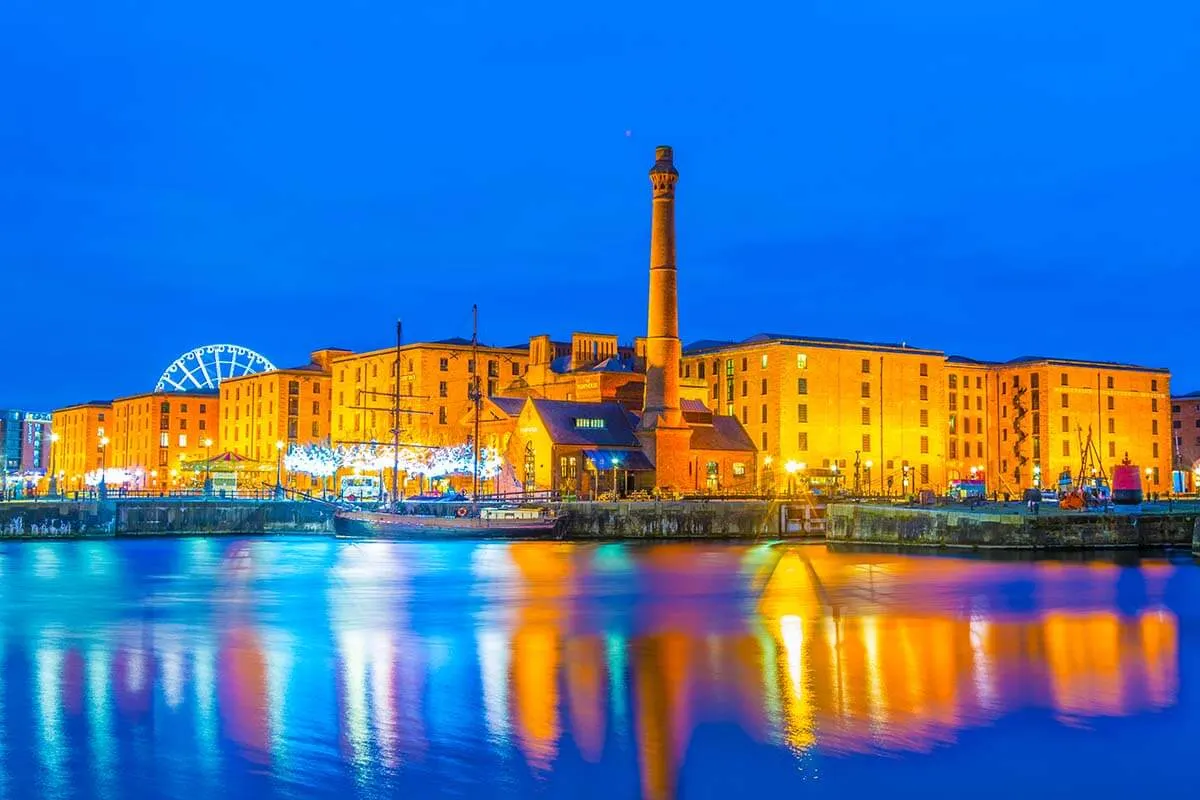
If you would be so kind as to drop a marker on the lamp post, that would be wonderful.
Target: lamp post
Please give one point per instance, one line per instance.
(867, 473)
(1037, 476)
(208, 487)
(616, 462)
(102, 488)
(791, 468)
(767, 461)
(857, 474)
(279, 469)
(53, 488)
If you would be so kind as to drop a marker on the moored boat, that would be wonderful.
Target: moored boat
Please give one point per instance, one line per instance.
(489, 523)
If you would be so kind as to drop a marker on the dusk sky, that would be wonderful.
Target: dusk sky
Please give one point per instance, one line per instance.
(994, 178)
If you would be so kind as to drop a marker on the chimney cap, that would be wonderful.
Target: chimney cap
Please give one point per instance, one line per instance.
(663, 152)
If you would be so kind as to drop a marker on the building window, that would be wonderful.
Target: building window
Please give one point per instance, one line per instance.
(866, 366)
(866, 389)
(293, 406)
(292, 426)
(443, 365)
(1175, 409)
(1154, 427)
(802, 386)
(801, 361)
(764, 413)
(924, 371)
(316, 408)
(1112, 449)
(764, 441)
(493, 369)
(1110, 381)
(866, 415)
(745, 415)
(1062, 379)
(1154, 404)
(739, 469)
(966, 424)
(763, 362)
(952, 401)
(183, 424)
(802, 413)
(866, 442)
(1154, 452)
(441, 415)
(700, 370)
(924, 418)
(317, 385)
(203, 425)
(589, 422)
(954, 448)
(728, 367)
(443, 389)
(745, 388)
(953, 381)
(953, 420)
(1066, 447)
(183, 440)
(924, 392)
(802, 442)
(924, 445)
(316, 430)
(1037, 424)
(164, 439)
(764, 386)
(1110, 402)
(1066, 424)
(1066, 401)
(1035, 399)
(203, 408)
(516, 369)
(1153, 385)
(716, 391)
(293, 387)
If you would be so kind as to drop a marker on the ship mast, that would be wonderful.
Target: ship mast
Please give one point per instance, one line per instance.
(476, 397)
(396, 424)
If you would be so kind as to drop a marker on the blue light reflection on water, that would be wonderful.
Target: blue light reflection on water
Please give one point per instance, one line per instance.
(289, 668)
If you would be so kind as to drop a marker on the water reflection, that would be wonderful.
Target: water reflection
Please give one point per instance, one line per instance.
(313, 666)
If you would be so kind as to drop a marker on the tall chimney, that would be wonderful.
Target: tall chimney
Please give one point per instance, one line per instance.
(663, 349)
(664, 435)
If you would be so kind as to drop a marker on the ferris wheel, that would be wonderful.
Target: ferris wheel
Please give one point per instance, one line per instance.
(205, 367)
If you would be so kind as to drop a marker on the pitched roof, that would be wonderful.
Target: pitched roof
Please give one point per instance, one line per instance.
(559, 417)
(509, 405)
(725, 433)
(802, 341)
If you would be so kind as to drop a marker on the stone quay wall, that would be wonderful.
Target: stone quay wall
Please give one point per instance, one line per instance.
(900, 526)
(670, 520)
(132, 517)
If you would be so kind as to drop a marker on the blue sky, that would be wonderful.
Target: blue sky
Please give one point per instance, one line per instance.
(995, 178)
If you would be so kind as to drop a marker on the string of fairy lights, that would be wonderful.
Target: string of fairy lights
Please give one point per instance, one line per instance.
(323, 461)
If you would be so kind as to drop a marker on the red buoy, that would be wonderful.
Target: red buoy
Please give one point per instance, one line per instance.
(1126, 484)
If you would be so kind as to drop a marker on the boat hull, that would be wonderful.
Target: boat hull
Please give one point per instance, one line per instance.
(379, 525)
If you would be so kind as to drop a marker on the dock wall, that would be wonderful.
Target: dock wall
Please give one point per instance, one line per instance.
(924, 527)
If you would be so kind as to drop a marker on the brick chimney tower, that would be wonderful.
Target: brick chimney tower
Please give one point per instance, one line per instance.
(664, 435)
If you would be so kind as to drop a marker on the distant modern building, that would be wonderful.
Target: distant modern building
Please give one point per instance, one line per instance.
(25, 439)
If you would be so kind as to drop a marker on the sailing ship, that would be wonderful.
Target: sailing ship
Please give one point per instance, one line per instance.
(461, 518)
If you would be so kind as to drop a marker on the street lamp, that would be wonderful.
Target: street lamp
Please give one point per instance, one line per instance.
(616, 462)
(102, 489)
(791, 468)
(1037, 476)
(867, 473)
(279, 469)
(208, 487)
(53, 488)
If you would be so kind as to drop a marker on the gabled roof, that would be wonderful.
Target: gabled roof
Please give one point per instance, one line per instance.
(559, 417)
(1071, 362)
(509, 405)
(725, 433)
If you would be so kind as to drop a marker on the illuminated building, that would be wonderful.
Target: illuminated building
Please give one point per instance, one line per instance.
(434, 384)
(157, 433)
(827, 403)
(290, 405)
(1040, 413)
(24, 441)
(76, 452)
(1185, 436)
